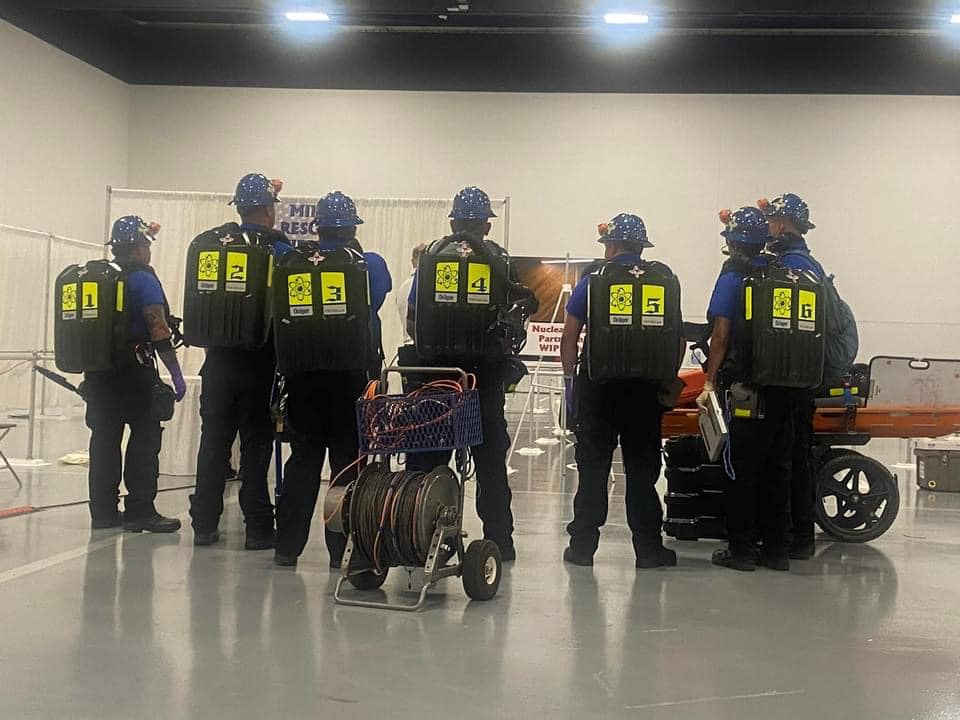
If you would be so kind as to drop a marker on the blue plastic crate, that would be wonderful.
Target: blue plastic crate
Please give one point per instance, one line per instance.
(405, 423)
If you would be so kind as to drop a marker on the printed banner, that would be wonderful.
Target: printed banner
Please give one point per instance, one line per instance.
(552, 282)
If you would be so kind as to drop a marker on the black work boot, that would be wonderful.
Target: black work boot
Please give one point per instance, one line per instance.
(281, 560)
(258, 542)
(802, 549)
(508, 553)
(205, 538)
(155, 523)
(742, 560)
(774, 558)
(656, 557)
(575, 558)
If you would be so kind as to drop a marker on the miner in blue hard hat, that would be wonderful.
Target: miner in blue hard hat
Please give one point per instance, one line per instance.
(321, 404)
(130, 394)
(789, 218)
(232, 322)
(613, 393)
(466, 309)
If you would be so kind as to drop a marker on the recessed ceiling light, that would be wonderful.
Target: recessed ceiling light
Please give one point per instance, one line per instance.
(955, 18)
(626, 18)
(306, 16)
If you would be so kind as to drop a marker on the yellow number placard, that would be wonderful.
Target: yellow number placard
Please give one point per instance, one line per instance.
(478, 277)
(91, 300)
(478, 283)
(621, 299)
(808, 305)
(654, 299)
(236, 267)
(782, 303)
(334, 290)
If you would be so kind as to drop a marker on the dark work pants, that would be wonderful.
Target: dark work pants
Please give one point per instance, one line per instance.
(234, 397)
(115, 400)
(489, 458)
(803, 476)
(322, 416)
(627, 412)
(761, 451)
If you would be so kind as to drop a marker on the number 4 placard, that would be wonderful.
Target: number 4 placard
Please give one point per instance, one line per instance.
(478, 284)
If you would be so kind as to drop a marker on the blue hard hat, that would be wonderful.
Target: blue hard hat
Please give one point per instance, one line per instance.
(256, 190)
(625, 228)
(132, 229)
(747, 225)
(472, 203)
(336, 210)
(790, 206)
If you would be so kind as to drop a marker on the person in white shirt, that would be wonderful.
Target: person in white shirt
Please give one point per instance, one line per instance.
(403, 294)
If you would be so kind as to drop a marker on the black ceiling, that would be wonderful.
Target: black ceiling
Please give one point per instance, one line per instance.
(871, 46)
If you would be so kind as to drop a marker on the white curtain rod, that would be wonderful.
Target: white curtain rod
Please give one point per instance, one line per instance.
(228, 196)
(52, 236)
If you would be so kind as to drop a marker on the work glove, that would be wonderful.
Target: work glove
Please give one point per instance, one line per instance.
(179, 384)
(703, 399)
(571, 417)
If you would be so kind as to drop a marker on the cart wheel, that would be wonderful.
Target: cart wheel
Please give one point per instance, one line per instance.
(836, 452)
(857, 498)
(481, 570)
(368, 580)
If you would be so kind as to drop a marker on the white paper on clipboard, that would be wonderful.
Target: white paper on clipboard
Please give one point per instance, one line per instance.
(713, 428)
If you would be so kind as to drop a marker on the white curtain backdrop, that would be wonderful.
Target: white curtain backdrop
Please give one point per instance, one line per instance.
(32, 259)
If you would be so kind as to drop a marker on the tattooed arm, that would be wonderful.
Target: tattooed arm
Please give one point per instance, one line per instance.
(160, 334)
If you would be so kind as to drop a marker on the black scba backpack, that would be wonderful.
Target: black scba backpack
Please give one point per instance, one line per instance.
(634, 323)
(90, 326)
(467, 305)
(226, 297)
(322, 319)
(782, 328)
(842, 337)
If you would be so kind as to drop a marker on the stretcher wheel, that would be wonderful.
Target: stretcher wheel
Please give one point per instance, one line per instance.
(857, 498)
(481, 570)
(368, 580)
(836, 452)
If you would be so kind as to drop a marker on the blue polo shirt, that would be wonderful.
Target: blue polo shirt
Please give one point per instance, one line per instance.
(795, 254)
(725, 300)
(141, 289)
(577, 304)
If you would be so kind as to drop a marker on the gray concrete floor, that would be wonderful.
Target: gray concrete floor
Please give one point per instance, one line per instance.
(105, 625)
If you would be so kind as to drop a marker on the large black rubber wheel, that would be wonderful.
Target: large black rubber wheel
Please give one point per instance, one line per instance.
(481, 570)
(832, 453)
(368, 580)
(857, 498)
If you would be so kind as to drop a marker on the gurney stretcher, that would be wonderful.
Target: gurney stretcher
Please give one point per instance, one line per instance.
(857, 496)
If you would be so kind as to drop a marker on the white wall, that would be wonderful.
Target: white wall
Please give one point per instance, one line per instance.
(880, 173)
(63, 138)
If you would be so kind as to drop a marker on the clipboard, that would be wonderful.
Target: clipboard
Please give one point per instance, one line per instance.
(713, 428)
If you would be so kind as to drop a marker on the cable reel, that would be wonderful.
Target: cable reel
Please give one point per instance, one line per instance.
(394, 515)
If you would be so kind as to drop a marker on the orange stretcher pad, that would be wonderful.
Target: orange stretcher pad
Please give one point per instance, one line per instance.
(886, 421)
